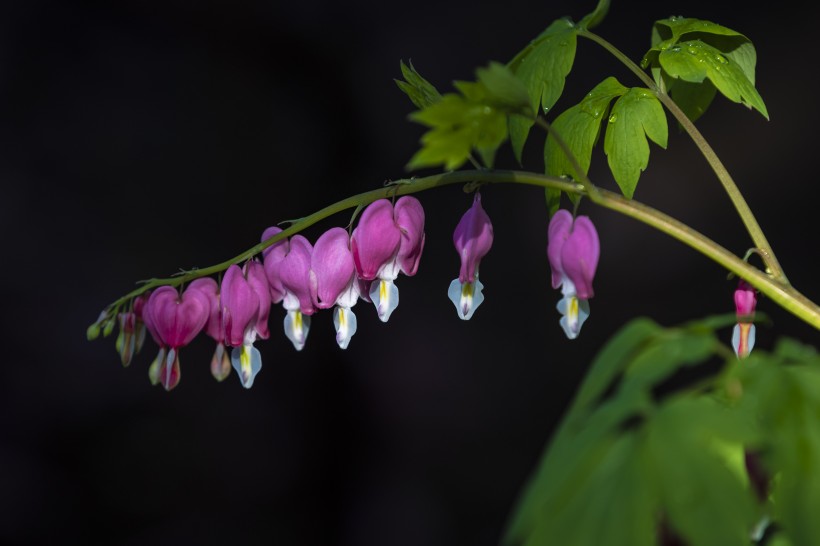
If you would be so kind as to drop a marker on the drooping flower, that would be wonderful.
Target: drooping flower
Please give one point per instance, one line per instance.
(221, 361)
(272, 258)
(387, 241)
(473, 238)
(294, 274)
(132, 330)
(173, 320)
(245, 304)
(743, 335)
(573, 250)
(333, 281)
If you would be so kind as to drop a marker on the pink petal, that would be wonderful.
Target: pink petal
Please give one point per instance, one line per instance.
(376, 239)
(473, 238)
(294, 272)
(745, 300)
(558, 232)
(255, 274)
(332, 267)
(178, 320)
(409, 217)
(579, 256)
(273, 256)
(240, 306)
(208, 286)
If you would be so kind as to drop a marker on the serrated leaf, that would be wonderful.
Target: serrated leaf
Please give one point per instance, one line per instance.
(665, 354)
(613, 359)
(672, 29)
(635, 116)
(692, 98)
(504, 89)
(705, 501)
(694, 61)
(421, 92)
(542, 67)
(459, 124)
(784, 391)
(579, 127)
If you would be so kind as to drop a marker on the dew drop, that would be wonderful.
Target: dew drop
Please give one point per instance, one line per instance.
(721, 59)
(613, 118)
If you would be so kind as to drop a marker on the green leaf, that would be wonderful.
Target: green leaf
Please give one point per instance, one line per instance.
(618, 460)
(579, 127)
(553, 198)
(595, 18)
(783, 390)
(420, 91)
(704, 499)
(475, 118)
(504, 89)
(694, 61)
(731, 43)
(638, 114)
(629, 342)
(459, 124)
(542, 67)
(692, 98)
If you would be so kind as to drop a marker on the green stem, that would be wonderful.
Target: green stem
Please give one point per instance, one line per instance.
(746, 215)
(784, 295)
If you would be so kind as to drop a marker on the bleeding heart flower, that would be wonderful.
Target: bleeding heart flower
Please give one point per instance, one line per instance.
(573, 250)
(174, 320)
(473, 238)
(245, 304)
(743, 334)
(333, 281)
(294, 273)
(388, 240)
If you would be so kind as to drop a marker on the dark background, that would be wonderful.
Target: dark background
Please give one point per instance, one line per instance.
(139, 137)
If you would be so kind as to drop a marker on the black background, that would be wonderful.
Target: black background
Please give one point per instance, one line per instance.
(139, 137)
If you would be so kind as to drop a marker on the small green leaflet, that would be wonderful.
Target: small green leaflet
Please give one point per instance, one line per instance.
(595, 18)
(730, 46)
(694, 61)
(734, 45)
(579, 127)
(420, 91)
(473, 118)
(543, 67)
(636, 115)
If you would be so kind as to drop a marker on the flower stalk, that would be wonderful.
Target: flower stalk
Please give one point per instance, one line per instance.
(781, 293)
(752, 227)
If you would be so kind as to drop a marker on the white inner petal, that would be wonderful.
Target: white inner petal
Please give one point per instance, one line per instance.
(345, 322)
(466, 297)
(385, 296)
(247, 362)
(575, 312)
(737, 341)
(297, 326)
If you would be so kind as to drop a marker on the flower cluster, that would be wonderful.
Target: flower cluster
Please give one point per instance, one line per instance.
(336, 271)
